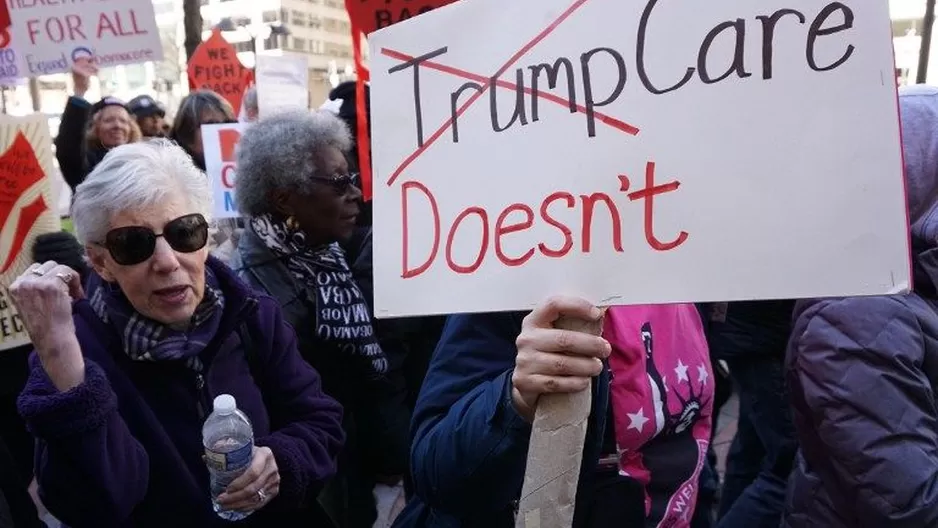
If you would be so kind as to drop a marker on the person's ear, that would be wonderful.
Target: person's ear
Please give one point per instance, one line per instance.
(283, 203)
(99, 261)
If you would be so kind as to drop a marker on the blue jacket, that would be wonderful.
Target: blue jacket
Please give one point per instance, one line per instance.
(469, 446)
(863, 374)
(124, 448)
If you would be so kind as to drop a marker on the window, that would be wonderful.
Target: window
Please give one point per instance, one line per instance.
(271, 16)
(315, 46)
(337, 50)
(272, 42)
(284, 16)
(241, 47)
(315, 22)
(299, 18)
(299, 44)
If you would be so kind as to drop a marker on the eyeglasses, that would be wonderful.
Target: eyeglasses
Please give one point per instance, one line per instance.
(341, 184)
(135, 244)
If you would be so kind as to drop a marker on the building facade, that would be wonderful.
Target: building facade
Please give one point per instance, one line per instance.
(907, 23)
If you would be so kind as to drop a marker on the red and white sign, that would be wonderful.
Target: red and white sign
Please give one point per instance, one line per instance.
(50, 37)
(635, 153)
(219, 145)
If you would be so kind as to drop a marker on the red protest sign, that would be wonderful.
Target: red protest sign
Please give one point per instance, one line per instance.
(19, 171)
(215, 66)
(371, 15)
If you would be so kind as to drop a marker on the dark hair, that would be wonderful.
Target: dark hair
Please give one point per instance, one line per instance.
(189, 116)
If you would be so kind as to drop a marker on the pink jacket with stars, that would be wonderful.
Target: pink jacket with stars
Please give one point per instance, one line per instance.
(662, 398)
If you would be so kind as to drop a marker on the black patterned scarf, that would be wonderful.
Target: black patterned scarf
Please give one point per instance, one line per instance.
(342, 315)
(144, 339)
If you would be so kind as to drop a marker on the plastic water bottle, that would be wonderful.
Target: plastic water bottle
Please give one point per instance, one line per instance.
(229, 445)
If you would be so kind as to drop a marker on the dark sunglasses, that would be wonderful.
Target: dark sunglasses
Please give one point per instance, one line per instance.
(341, 184)
(135, 244)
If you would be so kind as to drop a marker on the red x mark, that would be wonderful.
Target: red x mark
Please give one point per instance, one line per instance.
(603, 118)
(478, 94)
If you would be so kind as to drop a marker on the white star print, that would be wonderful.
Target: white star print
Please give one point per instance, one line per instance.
(681, 371)
(637, 420)
(702, 374)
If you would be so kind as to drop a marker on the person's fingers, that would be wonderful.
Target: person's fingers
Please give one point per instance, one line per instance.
(568, 341)
(244, 489)
(70, 278)
(44, 268)
(558, 365)
(541, 384)
(544, 314)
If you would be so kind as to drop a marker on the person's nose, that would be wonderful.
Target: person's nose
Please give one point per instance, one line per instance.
(354, 193)
(164, 258)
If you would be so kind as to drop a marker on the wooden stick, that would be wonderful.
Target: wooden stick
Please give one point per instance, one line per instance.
(548, 497)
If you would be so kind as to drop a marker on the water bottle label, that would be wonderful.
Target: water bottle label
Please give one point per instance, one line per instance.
(230, 461)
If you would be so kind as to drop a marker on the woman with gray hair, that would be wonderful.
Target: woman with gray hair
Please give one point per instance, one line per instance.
(295, 188)
(126, 368)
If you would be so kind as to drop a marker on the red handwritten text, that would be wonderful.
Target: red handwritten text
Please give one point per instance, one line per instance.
(518, 218)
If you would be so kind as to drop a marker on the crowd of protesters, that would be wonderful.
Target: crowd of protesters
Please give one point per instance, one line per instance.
(151, 307)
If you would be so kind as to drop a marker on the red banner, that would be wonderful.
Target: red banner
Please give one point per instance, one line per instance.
(372, 15)
(368, 16)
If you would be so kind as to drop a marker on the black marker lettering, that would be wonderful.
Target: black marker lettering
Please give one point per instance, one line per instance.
(454, 106)
(553, 72)
(739, 56)
(415, 62)
(817, 31)
(588, 85)
(640, 56)
(519, 113)
(768, 37)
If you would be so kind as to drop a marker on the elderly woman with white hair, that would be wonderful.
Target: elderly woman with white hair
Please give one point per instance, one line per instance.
(126, 368)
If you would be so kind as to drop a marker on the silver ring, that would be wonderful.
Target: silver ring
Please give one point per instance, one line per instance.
(37, 272)
(65, 277)
(261, 496)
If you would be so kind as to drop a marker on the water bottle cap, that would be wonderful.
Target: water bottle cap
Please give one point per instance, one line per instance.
(225, 404)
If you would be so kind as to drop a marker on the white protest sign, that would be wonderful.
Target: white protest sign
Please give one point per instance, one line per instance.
(9, 67)
(649, 152)
(51, 36)
(219, 143)
(282, 83)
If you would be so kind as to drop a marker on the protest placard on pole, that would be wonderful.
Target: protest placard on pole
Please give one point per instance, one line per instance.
(49, 37)
(219, 145)
(529, 148)
(633, 154)
(27, 208)
(282, 83)
(215, 66)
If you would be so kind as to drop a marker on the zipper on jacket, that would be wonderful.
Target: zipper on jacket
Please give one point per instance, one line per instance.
(200, 400)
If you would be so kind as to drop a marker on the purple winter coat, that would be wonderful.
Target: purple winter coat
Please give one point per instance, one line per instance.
(863, 374)
(124, 447)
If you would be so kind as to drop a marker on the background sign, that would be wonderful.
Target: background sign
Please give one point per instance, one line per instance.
(633, 154)
(219, 143)
(27, 208)
(50, 37)
(371, 15)
(215, 66)
(282, 83)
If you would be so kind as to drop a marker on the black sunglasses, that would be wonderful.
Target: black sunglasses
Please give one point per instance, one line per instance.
(135, 244)
(341, 184)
